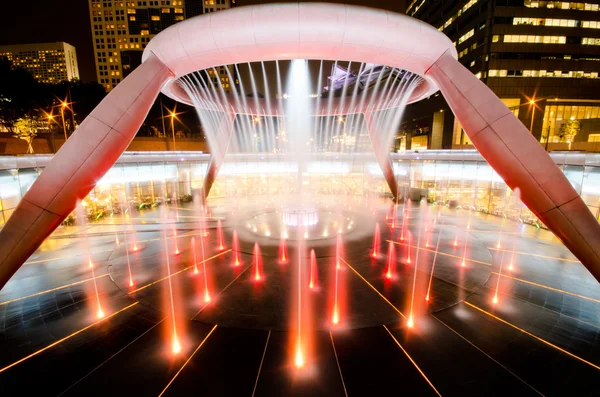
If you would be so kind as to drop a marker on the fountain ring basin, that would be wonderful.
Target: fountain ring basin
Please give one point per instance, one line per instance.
(300, 216)
(304, 31)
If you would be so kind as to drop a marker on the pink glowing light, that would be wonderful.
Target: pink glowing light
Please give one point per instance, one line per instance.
(236, 249)
(283, 255)
(257, 262)
(376, 241)
(391, 260)
(194, 255)
(221, 241)
(299, 360)
(313, 269)
(176, 345)
(437, 247)
(336, 318)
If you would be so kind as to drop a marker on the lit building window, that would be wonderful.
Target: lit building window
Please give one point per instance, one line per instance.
(562, 5)
(590, 41)
(466, 36)
(515, 38)
(155, 18)
(543, 73)
(470, 4)
(565, 23)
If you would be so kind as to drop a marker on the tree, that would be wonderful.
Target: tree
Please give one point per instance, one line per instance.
(20, 95)
(25, 129)
(82, 98)
(569, 130)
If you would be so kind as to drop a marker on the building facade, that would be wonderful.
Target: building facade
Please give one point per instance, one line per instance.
(542, 58)
(122, 29)
(47, 62)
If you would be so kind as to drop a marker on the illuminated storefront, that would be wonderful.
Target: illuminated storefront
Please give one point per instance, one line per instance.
(140, 180)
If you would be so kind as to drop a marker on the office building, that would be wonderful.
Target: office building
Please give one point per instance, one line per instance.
(47, 62)
(541, 58)
(122, 29)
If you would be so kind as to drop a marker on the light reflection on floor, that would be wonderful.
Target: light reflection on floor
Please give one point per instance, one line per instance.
(480, 347)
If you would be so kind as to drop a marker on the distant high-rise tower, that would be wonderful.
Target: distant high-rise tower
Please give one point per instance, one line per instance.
(121, 30)
(540, 57)
(47, 62)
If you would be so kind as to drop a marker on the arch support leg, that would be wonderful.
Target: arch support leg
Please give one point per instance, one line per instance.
(80, 163)
(382, 154)
(520, 160)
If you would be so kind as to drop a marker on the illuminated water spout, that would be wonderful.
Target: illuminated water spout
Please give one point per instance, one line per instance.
(437, 247)
(135, 246)
(335, 318)
(220, 241)
(176, 346)
(235, 245)
(283, 254)
(391, 260)
(376, 241)
(206, 292)
(177, 251)
(257, 259)
(194, 255)
(100, 312)
(313, 269)
(128, 261)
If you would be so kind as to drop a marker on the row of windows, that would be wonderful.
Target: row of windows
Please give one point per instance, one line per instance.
(466, 36)
(105, 73)
(566, 23)
(97, 4)
(543, 73)
(470, 4)
(131, 46)
(466, 50)
(590, 41)
(515, 38)
(106, 81)
(561, 5)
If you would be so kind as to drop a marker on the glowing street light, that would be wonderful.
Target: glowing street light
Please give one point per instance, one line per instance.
(532, 105)
(64, 105)
(173, 115)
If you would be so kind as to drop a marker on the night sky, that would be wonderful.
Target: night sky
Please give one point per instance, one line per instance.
(38, 21)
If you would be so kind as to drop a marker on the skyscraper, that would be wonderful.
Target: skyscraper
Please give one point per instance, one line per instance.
(47, 62)
(121, 30)
(541, 58)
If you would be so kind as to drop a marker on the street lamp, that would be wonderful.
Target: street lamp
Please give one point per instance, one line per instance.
(173, 115)
(62, 116)
(532, 105)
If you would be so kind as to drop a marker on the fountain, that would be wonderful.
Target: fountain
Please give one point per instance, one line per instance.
(285, 134)
(235, 246)
(257, 261)
(313, 270)
(376, 241)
